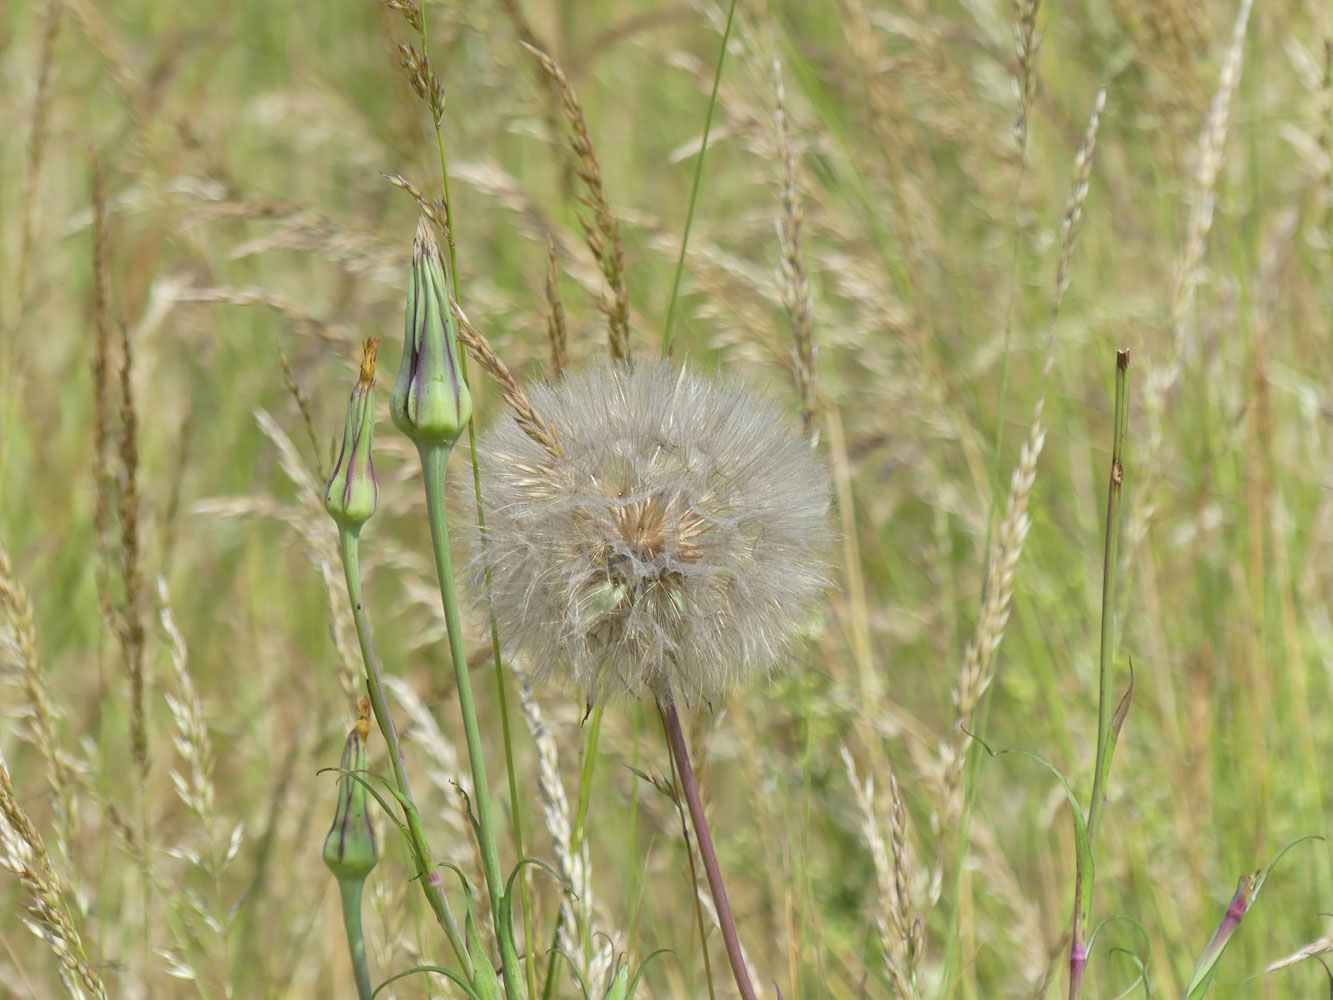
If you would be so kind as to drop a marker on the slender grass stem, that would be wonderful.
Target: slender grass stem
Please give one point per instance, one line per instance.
(350, 891)
(585, 777)
(1110, 567)
(694, 187)
(634, 884)
(1109, 717)
(680, 754)
(576, 838)
(434, 459)
(431, 883)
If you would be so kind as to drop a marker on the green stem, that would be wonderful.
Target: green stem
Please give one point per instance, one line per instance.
(634, 834)
(350, 889)
(431, 883)
(694, 188)
(1106, 659)
(552, 969)
(500, 682)
(434, 459)
(585, 778)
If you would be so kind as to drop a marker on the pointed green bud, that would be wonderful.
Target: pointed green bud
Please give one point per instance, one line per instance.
(352, 493)
(350, 849)
(430, 402)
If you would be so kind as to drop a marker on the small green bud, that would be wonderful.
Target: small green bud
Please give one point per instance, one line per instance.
(350, 849)
(352, 493)
(430, 401)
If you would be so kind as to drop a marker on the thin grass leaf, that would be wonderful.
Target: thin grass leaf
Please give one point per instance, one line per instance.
(1142, 978)
(451, 976)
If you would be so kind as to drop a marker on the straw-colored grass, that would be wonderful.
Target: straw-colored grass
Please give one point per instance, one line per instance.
(923, 229)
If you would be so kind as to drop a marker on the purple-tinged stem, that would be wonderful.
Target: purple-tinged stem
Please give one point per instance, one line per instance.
(1078, 962)
(679, 752)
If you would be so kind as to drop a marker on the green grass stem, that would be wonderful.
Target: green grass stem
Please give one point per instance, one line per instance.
(669, 332)
(434, 459)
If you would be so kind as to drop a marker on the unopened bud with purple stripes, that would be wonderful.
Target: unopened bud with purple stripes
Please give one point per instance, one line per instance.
(352, 493)
(430, 401)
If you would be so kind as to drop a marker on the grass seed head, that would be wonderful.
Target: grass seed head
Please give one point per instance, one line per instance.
(674, 547)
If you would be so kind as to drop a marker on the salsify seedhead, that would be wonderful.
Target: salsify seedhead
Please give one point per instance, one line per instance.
(673, 547)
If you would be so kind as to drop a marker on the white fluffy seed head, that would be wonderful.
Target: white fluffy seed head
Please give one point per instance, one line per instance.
(674, 547)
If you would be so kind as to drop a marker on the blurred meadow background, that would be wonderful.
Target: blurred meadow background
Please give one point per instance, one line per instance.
(965, 206)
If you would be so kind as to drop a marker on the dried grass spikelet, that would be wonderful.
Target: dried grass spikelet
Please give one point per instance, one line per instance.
(672, 548)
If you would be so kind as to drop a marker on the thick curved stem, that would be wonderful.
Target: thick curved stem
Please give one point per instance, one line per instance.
(676, 741)
(350, 888)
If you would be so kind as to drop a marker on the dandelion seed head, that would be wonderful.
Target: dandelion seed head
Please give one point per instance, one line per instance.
(674, 547)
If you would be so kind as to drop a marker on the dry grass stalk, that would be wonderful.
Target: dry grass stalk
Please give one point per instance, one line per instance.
(512, 393)
(1162, 378)
(435, 211)
(41, 110)
(18, 643)
(889, 118)
(47, 896)
(332, 333)
(551, 109)
(195, 787)
(355, 250)
(493, 182)
(1211, 148)
(1026, 48)
(410, 10)
(101, 391)
(303, 404)
(312, 525)
(556, 332)
(1002, 560)
(143, 97)
(1326, 131)
(794, 280)
(131, 617)
(997, 592)
(1073, 217)
(423, 80)
(577, 904)
(214, 920)
(603, 232)
(443, 769)
(900, 926)
(112, 48)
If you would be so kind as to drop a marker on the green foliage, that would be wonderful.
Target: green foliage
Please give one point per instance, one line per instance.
(246, 211)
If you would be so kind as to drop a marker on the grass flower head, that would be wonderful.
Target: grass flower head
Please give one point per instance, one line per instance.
(673, 547)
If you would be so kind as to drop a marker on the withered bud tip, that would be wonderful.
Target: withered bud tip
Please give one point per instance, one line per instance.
(363, 715)
(368, 351)
(425, 244)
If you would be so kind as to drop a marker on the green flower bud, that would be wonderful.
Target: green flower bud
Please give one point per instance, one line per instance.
(430, 401)
(350, 849)
(352, 493)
